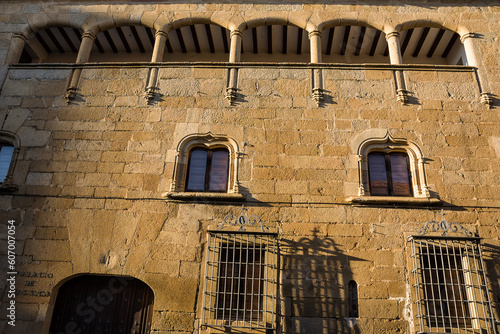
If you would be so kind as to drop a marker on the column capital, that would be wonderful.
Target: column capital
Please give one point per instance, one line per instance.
(392, 34)
(236, 32)
(20, 36)
(161, 33)
(314, 33)
(89, 34)
(466, 36)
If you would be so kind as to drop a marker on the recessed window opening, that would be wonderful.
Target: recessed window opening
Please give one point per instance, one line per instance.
(450, 285)
(207, 170)
(240, 280)
(52, 45)
(354, 45)
(123, 44)
(426, 45)
(275, 43)
(389, 174)
(353, 299)
(198, 42)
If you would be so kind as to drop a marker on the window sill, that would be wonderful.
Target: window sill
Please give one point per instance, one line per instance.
(374, 200)
(186, 196)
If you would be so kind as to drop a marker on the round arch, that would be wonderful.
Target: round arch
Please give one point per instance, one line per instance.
(100, 303)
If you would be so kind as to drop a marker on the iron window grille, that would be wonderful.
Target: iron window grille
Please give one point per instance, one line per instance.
(240, 280)
(450, 285)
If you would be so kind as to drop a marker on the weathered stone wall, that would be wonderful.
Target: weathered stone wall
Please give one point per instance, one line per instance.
(92, 173)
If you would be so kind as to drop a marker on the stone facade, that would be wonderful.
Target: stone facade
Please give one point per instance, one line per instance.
(93, 175)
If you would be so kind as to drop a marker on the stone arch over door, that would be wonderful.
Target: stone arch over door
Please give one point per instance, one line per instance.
(89, 304)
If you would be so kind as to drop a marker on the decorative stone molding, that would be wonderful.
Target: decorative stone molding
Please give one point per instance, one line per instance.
(209, 141)
(388, 144)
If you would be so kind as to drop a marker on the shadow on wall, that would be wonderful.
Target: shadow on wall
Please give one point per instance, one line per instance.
(491, 254)
(316, 280)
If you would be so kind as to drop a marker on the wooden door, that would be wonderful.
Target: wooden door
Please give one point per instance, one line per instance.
(92, 304)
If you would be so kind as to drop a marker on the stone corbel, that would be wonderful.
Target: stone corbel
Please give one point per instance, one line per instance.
(317, 73)
(158, 51)
(231, 93)
(396, 59)
(402, 94)
(151, 86)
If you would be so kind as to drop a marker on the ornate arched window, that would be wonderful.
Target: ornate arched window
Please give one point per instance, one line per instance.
(391, 167)
(205, 165)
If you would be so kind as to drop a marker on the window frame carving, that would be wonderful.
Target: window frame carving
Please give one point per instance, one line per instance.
(387, 145)
(10, 139)
(207, 141)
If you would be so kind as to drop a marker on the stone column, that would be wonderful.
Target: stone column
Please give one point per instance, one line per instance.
(15, 50)
(317, 73)
(83, 56)
(158, 51)
(473, 60)
(234, 57)
(396, 59)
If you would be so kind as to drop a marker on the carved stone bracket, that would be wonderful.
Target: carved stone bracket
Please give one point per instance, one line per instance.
(317, 96)
(402, 96)
(444, 226)
(70, 95)
(150, 93)
(231, 94)
(486, 99)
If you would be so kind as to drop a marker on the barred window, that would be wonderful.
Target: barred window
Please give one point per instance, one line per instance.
(240, 280)
(450, 285)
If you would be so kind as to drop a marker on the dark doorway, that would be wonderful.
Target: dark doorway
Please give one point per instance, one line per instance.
(91, 304)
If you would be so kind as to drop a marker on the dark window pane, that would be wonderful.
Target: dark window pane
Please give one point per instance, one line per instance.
(240, 284)
(218, 171)
(5, 159)
(197, 170)
(444, 288)
(378, 174)
(400, 176)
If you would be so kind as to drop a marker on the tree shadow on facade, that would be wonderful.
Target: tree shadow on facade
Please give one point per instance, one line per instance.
(315, 287)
